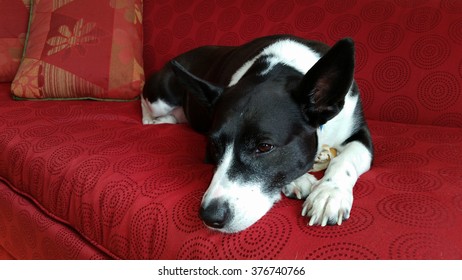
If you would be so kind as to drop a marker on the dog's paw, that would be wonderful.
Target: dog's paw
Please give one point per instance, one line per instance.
(160, 120)
(328, 203)
(301, 187)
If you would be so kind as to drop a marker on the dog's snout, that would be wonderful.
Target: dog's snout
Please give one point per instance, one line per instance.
(216, 214)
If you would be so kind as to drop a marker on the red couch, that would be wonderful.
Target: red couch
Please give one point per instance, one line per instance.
(86, 180)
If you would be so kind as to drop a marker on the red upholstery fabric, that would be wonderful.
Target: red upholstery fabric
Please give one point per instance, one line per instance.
(87, 180)
(134, 191)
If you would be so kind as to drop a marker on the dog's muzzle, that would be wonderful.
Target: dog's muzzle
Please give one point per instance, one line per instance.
(216, 214)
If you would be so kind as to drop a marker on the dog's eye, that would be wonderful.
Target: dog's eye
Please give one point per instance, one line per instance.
(264, 148)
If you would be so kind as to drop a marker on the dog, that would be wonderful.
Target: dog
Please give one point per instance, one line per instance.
(267, 108)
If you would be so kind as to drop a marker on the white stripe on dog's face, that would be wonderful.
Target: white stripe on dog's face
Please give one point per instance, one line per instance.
(246, 201)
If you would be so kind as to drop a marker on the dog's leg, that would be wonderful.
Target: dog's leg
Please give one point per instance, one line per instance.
(160, 112)
(301, 187)
(331, 199)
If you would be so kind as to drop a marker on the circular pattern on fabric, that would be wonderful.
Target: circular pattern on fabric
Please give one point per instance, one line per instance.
(367, 93)
(415, 210)
(79, 127)
(392, 73)
(431, 135)
(61, 158)
(148, 231)
(27, 225)
(344, 26)
(446, 153)
(438, 91)
(229, 39)
(114, 148)
(89, 222)
(342, 251)
(404, 160)
(455, 31)
(360, 219)
(401, 109)
(363, 188)
(6, 135)
(228, 18)
(136, 164)
(377, 11)
(198, 248)
(119, 246)
(103, 137)
(186, 212)
(393, 144)
(206, 34)
(182, 26)
(282, 28)
(116, 199)
(163, 41)
(458, 202)
(422, 246)
(391, 129)
(339, 6)
(409, 181)
(88, 173)
(17, 157)
(163, 16)
(361, 56)
(385, 37)
(263, 240)
(279, 10)
(35, 184)
(430, 51)
(50, 142)
(252, 26)
(423, 19)
(252, 7)
(449, 119)
(451, 6)
(204, 10)
(165, 180)
(181, 6)
(309, 18)
(39, 131)
(451, 175)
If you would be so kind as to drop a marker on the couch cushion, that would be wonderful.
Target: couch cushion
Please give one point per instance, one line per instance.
(135, 190)
(82, 49)
(14, 16)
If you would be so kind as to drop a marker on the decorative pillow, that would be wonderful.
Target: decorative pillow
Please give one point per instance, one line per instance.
(82, 49)
(14, 15)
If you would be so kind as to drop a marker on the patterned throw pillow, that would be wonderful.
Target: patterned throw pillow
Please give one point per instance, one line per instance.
(82, 49)
(14, 15)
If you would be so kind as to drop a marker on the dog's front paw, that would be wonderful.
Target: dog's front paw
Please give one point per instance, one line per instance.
(328, 203)
(301, 187)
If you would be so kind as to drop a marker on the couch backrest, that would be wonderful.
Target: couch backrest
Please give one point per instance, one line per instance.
(408, 52)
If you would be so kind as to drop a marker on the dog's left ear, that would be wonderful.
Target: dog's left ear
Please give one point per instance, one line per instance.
(322, 91)
(203, 92)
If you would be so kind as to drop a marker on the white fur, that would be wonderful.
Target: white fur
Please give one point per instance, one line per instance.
(247, 202)
(160, 112)
(288, 52)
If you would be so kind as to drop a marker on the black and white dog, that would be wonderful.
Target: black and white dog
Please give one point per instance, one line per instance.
(267, 107)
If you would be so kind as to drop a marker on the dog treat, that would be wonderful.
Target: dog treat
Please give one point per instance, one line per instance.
(323, 159)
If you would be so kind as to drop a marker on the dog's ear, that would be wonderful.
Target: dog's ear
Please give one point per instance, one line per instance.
(322, 91)
(202, 91)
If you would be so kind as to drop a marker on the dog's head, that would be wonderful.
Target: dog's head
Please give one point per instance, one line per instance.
(263, 133)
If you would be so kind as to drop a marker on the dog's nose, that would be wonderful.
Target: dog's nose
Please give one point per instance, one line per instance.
(216, 214)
